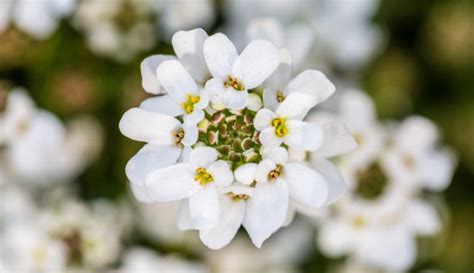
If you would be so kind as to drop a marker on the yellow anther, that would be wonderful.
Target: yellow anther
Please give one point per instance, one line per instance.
(238, 196)
(358, 222)
(280, 127)
(188, 105)
(234, 83)
(280, 96)
(203, 177)
(178, 137)
(274, 174)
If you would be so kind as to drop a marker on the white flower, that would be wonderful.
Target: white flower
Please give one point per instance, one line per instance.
(233, 74)
(37, 18)
(285, 125)
(197, 180)
(194, 152)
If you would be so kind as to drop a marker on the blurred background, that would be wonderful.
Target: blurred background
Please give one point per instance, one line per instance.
(84, 63)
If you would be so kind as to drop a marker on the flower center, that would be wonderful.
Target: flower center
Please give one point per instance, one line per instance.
(371, 182)
(188, 105)
(280, 127)
(178, 137)
(358, 222)
(233, 135)
(203, 177)
(234, 83)
(238, 196)
(280, 96)
(274, 174)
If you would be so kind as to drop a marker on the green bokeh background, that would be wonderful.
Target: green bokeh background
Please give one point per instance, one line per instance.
(425, 67)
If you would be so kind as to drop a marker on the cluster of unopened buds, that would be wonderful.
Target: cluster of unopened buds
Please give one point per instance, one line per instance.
(220, 136)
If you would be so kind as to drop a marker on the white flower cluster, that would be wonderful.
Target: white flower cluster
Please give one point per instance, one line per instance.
(38, 18)
(37, 148)
(391, 174)
(219, 133)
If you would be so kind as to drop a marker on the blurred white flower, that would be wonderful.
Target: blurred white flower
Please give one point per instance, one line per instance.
(39, 149)
(197, 163)
(39, 18)
(143, 260)
(117, 29)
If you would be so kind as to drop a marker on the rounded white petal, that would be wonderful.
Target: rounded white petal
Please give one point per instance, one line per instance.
(220, 55)
(231, 217)
(171, 183)
(191, 133)
(416, 135)
(268, 138)
(184, 216)
(337, 140)
(146, 126)
(255, 103)
(204, 207)
(333, 177)
(141, 193)
(256, 63)
(266, 29)
(203, 99)
(296, 106)
(263, 119)
(423, 217)
(280, 77)
(278, 155)
(303, 135)
(148, 70)
(162, 104)
(264, 167)
(300, 41)
(246, 173)
(148, 159)
(194, 118)
(188, 46)
(357, 109)
(335, 239)
(305, 185)
(203, 157)
(266, 210)
(436, 169)
(312, 83)
(176, 80)
(236, 100)
(216, 90)
(221, 173)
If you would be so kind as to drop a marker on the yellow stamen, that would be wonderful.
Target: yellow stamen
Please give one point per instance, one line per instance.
(188, 105)
(274, 174)
(203, 177)
(178, 137)
(280, 127)
(280, 97)
(358, 222)
(238, 197)
(234, 83)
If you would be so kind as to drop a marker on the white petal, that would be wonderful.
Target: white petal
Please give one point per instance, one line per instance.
(220, 55)
(188, 46)
(268, 138)
(296, 106)
(191, 133)
(337, 140)
(357, 109)
(335, 239)
(437, 169)
(312, 83)
(300, 40)
(176, 80)
(263, 119)
(171, 183)
(245, 174)
(221, 173)
(305, 185)
(184, 216)
(256, 63)
(195, 117)
(231, 217)
(216, 90)
(141, 193)
(162, 104)
(203, 157)
(333, 177)
(266, 29)
(203, 99)
(204, 207)
(148, 70)
(278, 155)
(255, 102)
(236, 100)
(422, 216)
(266, 210)
(263, 168)
(303, 135)
(416, 135)
(146, 126)
(148, 159)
